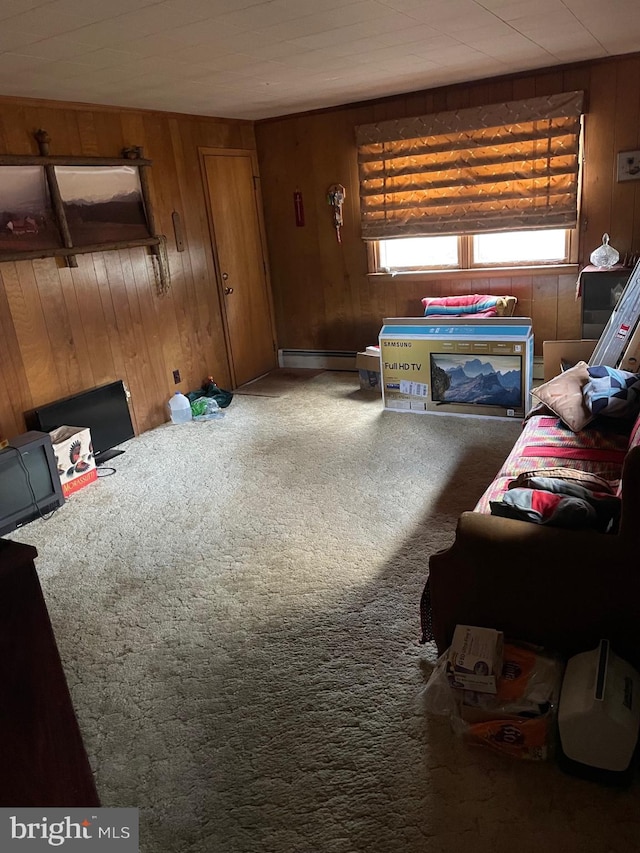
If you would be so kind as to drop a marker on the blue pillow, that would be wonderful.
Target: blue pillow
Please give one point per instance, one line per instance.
(612, 392)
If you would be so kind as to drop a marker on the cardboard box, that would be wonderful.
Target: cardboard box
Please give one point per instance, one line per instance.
(457, 366)
(475, 658)
(74, 457)
(368, 366)
(557, 355)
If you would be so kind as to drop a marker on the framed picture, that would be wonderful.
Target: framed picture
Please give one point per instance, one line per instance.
(27, 222)
(628, 166)
(102, 204)
(56, 206)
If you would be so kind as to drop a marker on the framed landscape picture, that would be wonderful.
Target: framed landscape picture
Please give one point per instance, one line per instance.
(102, 204)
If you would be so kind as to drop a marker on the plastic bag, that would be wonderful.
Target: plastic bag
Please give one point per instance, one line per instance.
(205, 409)
(210, 389)
(604, 256)
(518, 720)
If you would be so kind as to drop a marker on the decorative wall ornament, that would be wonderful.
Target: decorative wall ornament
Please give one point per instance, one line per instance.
(336, 196)
(298, 208)
(628, 166)
(56, 206)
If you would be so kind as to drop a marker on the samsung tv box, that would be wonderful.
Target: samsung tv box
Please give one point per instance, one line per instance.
(480, 367)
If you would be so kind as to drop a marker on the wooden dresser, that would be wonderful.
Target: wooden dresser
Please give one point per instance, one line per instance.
(44, 762)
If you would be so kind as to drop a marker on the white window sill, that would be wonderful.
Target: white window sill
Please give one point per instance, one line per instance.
(476, 272)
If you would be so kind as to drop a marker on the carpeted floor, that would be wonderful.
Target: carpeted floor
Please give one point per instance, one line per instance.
(237, 613)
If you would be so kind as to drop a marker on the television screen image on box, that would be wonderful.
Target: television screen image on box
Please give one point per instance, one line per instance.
(485, 380)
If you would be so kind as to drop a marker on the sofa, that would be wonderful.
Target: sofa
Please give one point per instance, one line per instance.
(561, 588)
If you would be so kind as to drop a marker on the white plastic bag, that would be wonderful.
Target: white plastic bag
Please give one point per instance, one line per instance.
(206, 409)
(519, 720)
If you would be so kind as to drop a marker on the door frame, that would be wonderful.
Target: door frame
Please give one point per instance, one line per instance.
(257, 195)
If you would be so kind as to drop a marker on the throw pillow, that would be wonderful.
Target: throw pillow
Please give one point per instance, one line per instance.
(506, 306)
(563, 395)
(612, 392)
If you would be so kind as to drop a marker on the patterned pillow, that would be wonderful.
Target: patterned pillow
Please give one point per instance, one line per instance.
(612, 392)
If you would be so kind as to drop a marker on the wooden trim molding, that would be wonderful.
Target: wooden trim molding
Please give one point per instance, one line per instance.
(493, 272)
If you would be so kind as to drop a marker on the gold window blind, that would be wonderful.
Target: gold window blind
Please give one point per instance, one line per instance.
(503, 167)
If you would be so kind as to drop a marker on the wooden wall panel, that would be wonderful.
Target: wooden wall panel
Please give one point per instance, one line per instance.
(31, 329)
(13, 376)
(66, 330)
(626, 137)
(57, 321)
(325, 299)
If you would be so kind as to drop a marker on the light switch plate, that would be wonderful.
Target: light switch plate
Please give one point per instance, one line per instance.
(629, 166)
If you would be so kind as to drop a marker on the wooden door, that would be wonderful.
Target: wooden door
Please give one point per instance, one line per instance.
(238, 238)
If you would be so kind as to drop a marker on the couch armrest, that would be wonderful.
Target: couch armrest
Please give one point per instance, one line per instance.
(562, 589)
(630, 497)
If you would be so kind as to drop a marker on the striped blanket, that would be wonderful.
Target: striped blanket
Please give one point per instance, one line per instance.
(560, 503)
(454, 306)
(545, 443)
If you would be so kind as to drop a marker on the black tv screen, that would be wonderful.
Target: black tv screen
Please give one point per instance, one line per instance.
(29, 482)
(104, 410)
(483, 380)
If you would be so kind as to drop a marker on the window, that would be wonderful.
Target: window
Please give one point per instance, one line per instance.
(418, 253)
(519, 247)
(469, 251)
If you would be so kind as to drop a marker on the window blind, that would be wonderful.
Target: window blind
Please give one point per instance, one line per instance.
(503, 167)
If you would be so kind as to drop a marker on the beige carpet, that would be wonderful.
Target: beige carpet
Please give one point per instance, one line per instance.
(237, 612)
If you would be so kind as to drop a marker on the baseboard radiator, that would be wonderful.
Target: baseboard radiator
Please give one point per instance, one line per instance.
(317, 359)
(538, 368)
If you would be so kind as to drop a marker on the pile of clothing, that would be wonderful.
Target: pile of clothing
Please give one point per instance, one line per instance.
(561, 497)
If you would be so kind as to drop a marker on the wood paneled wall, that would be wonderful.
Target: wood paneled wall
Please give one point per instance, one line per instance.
(65, 330)
(323, 297)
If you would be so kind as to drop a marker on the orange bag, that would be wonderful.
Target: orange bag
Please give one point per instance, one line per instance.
(519, 738)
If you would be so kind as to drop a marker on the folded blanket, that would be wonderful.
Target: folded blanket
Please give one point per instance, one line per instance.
(491, 312)
(589, 481)
(451, 306)
(560, 503)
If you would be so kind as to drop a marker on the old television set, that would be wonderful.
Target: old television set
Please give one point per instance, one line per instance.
(479, 367)
(104, 410)
(29, 482)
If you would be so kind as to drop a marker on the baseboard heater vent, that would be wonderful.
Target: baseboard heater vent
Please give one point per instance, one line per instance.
(317, 359)
(538, 368)
(320, 359)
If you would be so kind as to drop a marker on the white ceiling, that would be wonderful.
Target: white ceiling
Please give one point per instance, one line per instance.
(253, 59)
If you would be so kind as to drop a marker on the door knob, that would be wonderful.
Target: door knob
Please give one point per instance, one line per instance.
(225, 276)
(228, 290)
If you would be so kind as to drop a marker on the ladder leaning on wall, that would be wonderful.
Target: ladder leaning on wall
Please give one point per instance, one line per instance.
(619, 344)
